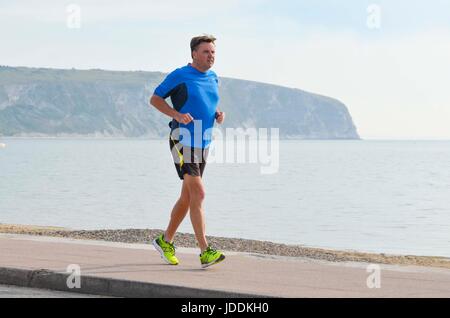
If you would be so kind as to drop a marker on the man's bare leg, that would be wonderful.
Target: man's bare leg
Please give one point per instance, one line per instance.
(179, 212)
(197, 195)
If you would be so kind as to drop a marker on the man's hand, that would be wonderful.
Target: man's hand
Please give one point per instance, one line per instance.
(183, 118)
(220, 117)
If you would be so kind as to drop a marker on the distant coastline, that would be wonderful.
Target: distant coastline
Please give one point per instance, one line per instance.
(53, 102)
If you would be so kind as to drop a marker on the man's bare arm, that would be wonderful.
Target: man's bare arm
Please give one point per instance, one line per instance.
(161, 105)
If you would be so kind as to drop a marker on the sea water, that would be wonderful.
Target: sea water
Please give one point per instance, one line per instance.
(374, 196)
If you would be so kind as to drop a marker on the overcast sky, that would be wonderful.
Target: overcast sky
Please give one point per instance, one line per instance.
(389, 63)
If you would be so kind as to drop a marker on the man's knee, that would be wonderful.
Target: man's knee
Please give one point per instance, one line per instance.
(195, 189)
(197, 195)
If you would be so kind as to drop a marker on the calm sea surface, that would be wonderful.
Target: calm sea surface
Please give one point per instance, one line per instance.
(376, 196)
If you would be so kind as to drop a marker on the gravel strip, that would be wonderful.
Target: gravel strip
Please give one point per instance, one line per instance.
(145, 236)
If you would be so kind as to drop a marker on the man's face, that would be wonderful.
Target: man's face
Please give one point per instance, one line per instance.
(204, 55)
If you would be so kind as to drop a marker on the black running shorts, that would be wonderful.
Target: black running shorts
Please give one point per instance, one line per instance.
(188, 160)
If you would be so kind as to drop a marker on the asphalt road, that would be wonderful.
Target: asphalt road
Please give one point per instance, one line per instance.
(7, 291)
(137, 268)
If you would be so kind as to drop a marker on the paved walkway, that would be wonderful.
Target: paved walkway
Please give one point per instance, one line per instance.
(239, 273)
(7, 291)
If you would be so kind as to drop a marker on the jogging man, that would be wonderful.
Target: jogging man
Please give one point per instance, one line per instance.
(194, 93)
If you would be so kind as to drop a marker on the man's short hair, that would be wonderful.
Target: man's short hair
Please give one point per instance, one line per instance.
(196, 41)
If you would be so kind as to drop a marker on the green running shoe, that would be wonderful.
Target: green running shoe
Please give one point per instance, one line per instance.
(166, 249)
(210, 257)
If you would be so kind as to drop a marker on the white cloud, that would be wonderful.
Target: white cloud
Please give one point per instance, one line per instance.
(54, 11)
(393, 87)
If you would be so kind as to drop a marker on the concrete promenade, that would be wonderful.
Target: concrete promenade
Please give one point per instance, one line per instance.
(136, 270)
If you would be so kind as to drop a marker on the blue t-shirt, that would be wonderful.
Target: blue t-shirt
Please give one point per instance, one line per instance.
(196, 93)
